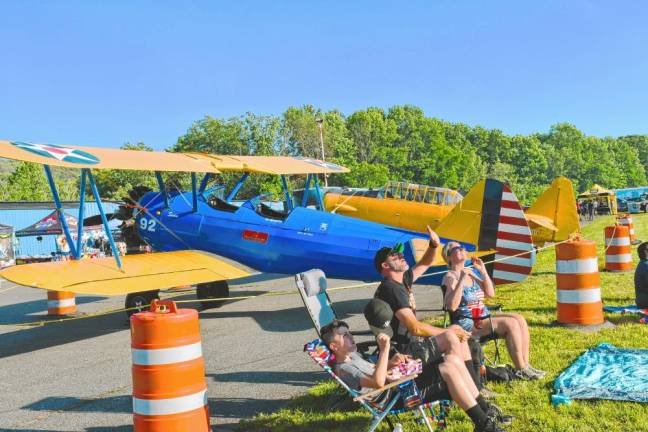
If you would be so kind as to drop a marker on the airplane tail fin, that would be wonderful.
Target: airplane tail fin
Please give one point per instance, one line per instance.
(553, 217)
(491, 217)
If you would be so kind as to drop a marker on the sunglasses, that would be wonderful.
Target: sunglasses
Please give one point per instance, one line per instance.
(456, 248)
(397, 255)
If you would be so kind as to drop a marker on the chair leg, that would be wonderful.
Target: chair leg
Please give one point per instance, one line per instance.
(377, 418)
(376, 421)
(425, 418)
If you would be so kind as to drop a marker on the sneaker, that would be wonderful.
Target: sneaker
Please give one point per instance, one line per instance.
(495, 413)
(526, 374)
(488, 393)
(488, 426)
(537, 371)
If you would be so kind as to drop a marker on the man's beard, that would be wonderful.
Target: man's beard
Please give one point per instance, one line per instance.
(397, 266)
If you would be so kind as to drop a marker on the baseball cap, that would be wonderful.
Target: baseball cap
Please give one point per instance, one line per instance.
(384, 252)
(379, 315)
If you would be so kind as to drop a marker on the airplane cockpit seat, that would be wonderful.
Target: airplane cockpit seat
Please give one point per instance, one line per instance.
(267, 211)
(220, 204)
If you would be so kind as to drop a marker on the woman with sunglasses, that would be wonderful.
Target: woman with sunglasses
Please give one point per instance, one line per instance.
(464, 298)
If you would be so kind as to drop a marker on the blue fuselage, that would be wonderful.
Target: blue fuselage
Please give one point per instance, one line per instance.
(341, 246)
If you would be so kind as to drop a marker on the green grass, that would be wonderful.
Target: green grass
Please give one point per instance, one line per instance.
(552, 349)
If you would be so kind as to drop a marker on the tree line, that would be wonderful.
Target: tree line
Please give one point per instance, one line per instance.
(379, 145)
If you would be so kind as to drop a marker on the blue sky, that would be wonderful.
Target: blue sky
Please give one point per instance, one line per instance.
(104, 73)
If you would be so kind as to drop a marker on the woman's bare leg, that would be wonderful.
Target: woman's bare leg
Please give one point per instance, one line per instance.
(509, 329)
(524, 331)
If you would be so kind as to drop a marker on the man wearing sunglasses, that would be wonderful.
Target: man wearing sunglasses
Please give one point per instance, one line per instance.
(412, 336)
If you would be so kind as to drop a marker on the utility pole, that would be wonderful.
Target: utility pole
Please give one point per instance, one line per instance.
(320, 123)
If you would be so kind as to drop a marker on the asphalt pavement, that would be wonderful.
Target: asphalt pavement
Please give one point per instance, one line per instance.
(76, 375)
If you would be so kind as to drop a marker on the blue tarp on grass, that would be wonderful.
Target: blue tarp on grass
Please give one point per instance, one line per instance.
(605, 372)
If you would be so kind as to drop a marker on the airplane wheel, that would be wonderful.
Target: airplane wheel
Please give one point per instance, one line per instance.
(140, 300)
(218, 289)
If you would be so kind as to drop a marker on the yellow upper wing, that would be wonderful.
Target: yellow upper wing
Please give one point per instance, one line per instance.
(275, 164)
(106, 158)
(143, 272)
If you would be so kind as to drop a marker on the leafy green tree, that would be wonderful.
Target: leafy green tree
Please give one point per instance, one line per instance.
(640, 144)
(301, 131)
(28, 183)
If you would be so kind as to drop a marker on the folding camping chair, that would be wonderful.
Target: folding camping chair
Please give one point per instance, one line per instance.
(312, 287)
(483, 339)
(436, 411)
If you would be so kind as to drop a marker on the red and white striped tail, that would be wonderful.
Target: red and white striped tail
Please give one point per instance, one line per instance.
(514, 242)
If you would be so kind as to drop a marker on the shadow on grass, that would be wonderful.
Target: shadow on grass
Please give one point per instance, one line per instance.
(328, 410)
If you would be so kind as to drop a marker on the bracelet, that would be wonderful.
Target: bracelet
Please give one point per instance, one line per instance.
(434, 245)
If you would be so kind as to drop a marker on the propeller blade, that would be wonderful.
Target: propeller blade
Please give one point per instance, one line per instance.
(96, 219)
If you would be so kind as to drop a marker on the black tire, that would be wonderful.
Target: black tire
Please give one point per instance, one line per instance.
(140, 301)
(217, 289)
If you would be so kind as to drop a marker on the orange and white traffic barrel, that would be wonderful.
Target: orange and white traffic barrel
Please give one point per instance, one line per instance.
(618, 253)
(578, 283)
(60, 303)
(169, 389)
(626, 220)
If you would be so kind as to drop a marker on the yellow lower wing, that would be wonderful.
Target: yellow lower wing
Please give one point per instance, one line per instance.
(144, 272)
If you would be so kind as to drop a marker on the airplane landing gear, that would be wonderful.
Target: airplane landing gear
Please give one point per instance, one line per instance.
(217, 289)
(140, 301)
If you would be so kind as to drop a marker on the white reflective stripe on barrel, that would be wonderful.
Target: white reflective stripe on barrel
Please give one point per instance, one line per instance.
(170, 406)
(577, 266)
(618, 241)
(620, 258)
(592, 295)
(166, 355)
(60, 303)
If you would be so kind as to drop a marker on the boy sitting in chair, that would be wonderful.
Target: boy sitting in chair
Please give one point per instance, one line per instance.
(364, 376)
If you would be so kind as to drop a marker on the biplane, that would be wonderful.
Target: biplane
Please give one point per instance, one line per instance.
(200, 239)
(553, 217)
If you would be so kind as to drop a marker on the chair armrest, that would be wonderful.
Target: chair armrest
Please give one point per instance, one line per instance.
(385, 387)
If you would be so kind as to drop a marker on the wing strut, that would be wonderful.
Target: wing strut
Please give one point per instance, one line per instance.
(287, 192)
(158, 176)
(306, 190)
(194, 192)
(318, 192)
(97, 198)
(203, 183)
(59, 210)
(234, 191)
(82, 189)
